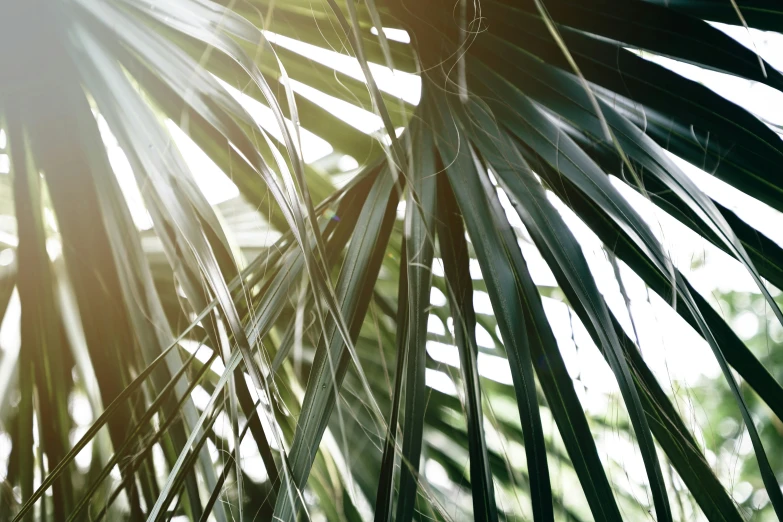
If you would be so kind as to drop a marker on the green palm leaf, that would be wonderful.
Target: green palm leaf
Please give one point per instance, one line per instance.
(365, 301)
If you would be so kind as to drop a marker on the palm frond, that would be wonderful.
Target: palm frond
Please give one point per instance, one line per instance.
(330, 306)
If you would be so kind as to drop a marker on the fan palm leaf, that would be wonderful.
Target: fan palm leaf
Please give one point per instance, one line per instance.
(269, 353)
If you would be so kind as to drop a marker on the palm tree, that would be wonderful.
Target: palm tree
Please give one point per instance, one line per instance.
(193, 345)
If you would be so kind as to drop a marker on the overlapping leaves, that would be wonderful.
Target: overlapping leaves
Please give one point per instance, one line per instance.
(322, 337)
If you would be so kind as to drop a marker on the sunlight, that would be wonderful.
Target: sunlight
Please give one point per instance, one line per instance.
(397, 83)
(398, 35)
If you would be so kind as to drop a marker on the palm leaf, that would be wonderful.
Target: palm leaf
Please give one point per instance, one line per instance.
(332, 307)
